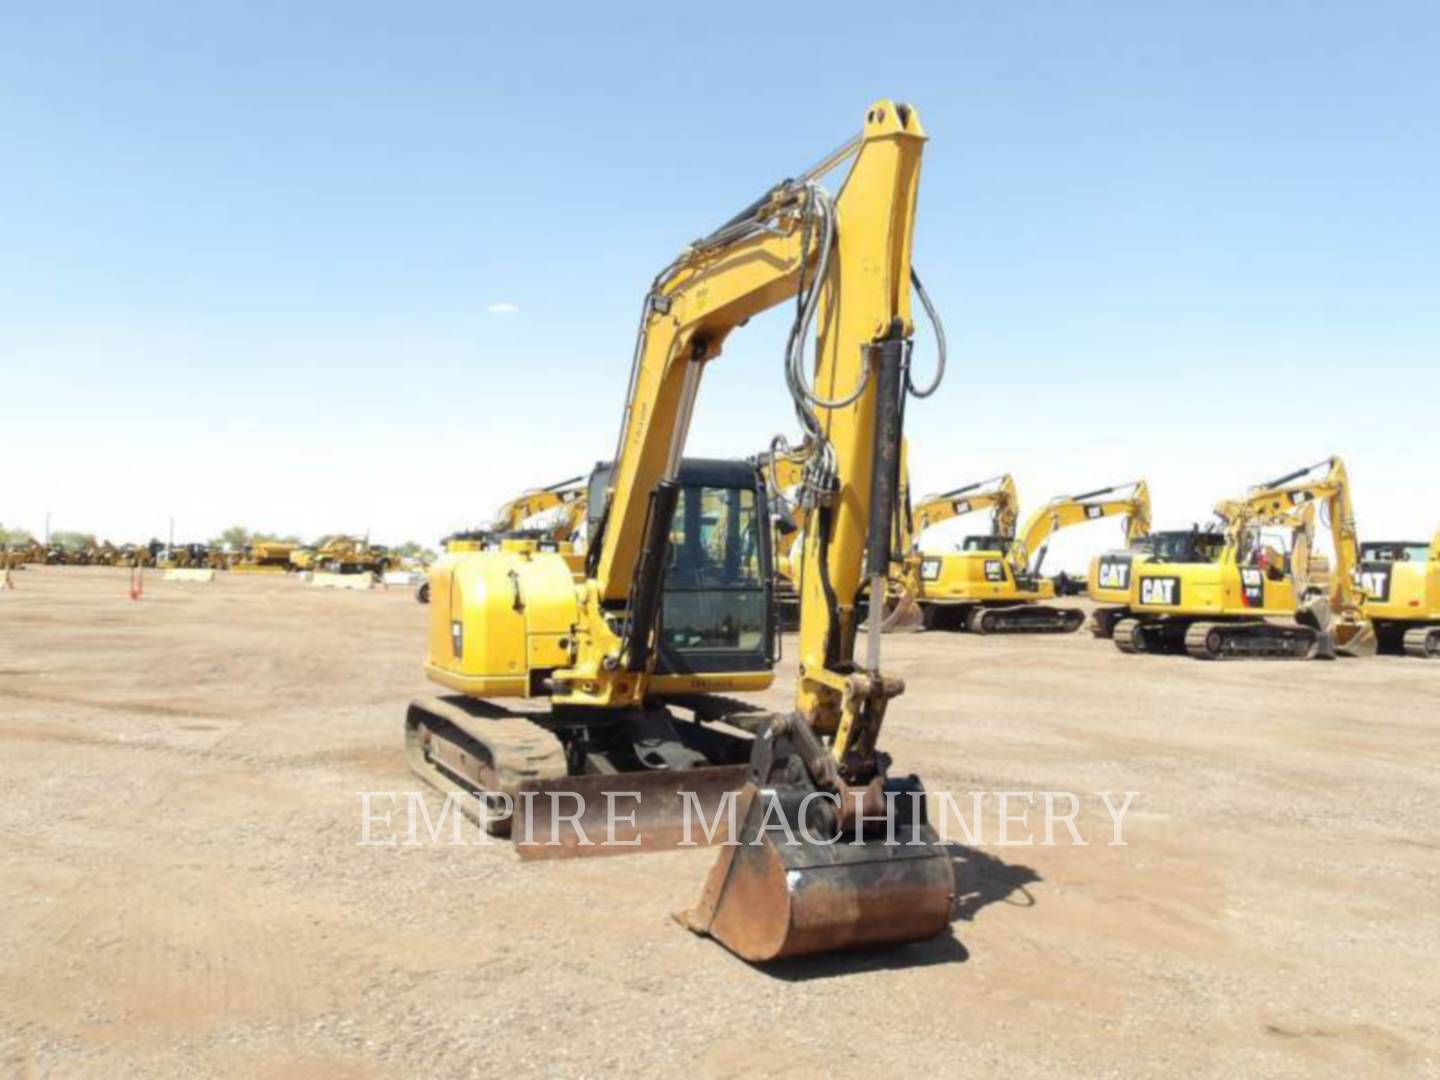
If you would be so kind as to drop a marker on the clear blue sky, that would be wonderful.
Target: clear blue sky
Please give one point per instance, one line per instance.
(249, 252)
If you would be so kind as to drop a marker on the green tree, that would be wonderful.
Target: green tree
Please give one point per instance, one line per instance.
(73, 541)
(414, 550)
(15, 537)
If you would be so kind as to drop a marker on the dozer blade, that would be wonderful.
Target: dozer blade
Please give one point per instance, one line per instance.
(778, 894)
(622, 813)
(496, 762)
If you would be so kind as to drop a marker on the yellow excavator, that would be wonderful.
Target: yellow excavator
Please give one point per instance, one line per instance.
(612, 685)
(1402, 581)
(994, 585)
(1109, 579)
(1241, 597)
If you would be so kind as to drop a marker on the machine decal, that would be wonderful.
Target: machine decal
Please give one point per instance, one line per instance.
(1375, 580)
(1162, 591)
(1093, 512)
(1252, 587)
(962, 506)
(994, 570)
(1114, 571)
(929, 569)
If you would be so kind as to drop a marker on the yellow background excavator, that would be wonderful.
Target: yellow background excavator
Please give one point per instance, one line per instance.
(1241, 598)
(613, 683)
(1402, 582)
(994, 584)
(564, 503)
(783, 474)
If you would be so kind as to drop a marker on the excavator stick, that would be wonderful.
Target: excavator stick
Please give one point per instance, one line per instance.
(798, 879)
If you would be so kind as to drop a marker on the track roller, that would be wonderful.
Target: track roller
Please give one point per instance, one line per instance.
(1423, 642)
(1129, 636)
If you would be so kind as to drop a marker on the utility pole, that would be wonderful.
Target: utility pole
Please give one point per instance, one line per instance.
(170, 547)
(47, 528)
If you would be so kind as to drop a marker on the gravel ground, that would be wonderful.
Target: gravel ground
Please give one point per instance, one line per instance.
(185, 894)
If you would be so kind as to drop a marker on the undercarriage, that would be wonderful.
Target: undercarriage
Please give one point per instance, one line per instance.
(1017, 618)
(1230, 639)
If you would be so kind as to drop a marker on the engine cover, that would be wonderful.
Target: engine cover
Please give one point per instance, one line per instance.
(497, 617)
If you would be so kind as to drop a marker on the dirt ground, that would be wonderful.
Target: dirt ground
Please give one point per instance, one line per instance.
(184, 892)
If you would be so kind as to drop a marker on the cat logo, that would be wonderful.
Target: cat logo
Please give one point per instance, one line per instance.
(962, 506)
(1375, 580)
(929, 569)
(547, 545)
(994, 570)
(1252, 587)
(1114, 572)
(1160, 591)
(1093, 512)
(1298, 498)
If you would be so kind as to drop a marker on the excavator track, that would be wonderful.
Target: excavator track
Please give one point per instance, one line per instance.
(461, 751)
(1103, 621)
(1250, 641)
(1024, 619)
(1423, 642)
(1129, 636)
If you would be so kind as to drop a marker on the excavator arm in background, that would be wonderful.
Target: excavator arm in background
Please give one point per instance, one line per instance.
(1131, 500)
(1282, 502)
(996, 494)
(518, 510)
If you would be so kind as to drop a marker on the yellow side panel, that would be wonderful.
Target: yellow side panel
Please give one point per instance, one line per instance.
(711, 683)
(973, 576)
(547, 650)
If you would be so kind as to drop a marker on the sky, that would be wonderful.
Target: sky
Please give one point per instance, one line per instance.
(313, 267)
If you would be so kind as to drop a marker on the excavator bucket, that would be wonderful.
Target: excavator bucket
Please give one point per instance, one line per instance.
(1348, 634)
(780, 891)
(1356, 639)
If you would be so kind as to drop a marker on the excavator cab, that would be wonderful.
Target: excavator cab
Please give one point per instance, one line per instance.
(1185, 546)
(717, 611)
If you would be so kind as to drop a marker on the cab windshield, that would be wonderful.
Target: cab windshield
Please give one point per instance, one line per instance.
(1185, 547)
(1394, 551)
(715, 584)
(987, 543)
